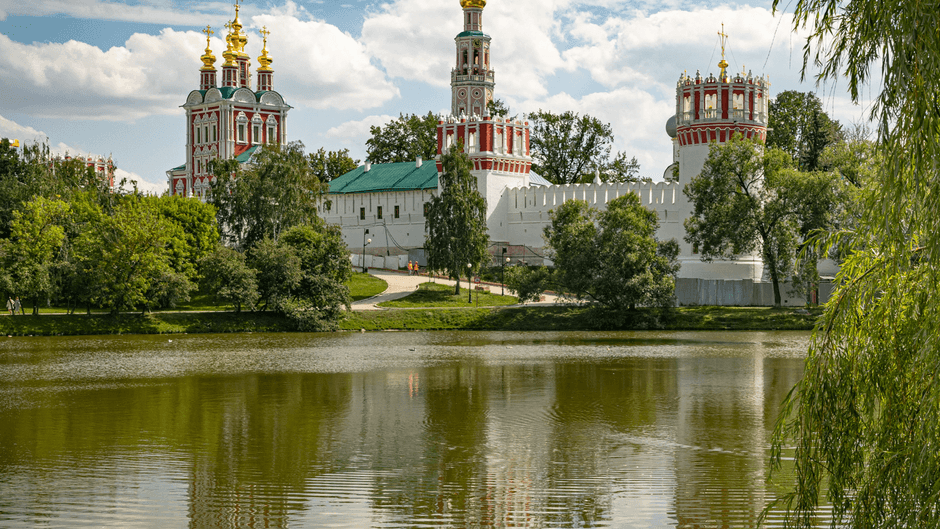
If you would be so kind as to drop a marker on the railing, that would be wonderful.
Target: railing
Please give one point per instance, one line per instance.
(481, 78)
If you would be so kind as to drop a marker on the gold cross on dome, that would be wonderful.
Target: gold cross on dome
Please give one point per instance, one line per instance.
(208, 32)
(228, 26)
(264, 33)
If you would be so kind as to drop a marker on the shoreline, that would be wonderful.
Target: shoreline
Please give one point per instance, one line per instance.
(526, 319)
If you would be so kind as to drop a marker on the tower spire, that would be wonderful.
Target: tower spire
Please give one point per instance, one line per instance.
(472, 80)
(723, 64)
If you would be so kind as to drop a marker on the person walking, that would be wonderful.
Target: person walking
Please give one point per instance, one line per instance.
(409, 268)
(17, 306)
(11, 306)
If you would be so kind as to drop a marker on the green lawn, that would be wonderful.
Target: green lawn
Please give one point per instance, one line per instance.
(437, 295)
(363, 286)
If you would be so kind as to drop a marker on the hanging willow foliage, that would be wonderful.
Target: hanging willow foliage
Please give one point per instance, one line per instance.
(864, 422)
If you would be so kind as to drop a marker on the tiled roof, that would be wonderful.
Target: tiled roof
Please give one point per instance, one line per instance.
(386, 177)
(245, 157)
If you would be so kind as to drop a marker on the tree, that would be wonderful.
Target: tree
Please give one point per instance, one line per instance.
(227, 275)
(528, 282)
(278, 269)
(864, 420)
(612, 256)
(497, 108)
(749, 198)
(567, 148)
(123, 257)
(456, 220)
(799, 126)
(276, 191)
(36, 236)
(194, 231)
(403, 139)
(329, 165)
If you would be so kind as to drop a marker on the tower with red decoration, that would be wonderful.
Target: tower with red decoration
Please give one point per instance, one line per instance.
(498, 147)
(713, 109)
(228, 120)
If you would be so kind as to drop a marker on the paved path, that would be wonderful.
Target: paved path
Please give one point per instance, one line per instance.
(401, 284)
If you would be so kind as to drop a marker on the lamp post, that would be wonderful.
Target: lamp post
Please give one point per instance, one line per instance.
(469, 283)
(365, 242)
(502, 274)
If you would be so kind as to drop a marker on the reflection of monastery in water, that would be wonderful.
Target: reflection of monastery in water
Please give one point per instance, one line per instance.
(386, 202)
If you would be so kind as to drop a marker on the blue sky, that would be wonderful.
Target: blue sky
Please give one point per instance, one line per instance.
(107, 77)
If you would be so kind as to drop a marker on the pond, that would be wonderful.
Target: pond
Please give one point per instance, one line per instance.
(449, 429)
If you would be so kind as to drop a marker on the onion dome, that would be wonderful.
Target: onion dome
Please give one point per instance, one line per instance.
(477, 4)
(239, 39)
(264, 59)
(671, 127)
(229, 54)
(208, 60)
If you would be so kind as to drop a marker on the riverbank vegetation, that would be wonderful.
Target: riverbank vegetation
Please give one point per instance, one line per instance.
(534, 318)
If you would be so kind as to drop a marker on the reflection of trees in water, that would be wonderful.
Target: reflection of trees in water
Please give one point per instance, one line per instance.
(726, 410)
(594, 406)
(250, 440)
(259, 440)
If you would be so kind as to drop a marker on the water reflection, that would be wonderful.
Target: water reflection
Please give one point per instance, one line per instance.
(392, 430)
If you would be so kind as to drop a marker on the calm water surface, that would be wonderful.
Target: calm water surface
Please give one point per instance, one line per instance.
(391, 429)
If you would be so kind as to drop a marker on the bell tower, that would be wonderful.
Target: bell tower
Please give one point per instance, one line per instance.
(472, 80)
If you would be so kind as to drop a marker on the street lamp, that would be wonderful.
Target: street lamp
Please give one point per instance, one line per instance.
(365, 242)
(469, 283)
(502, 274)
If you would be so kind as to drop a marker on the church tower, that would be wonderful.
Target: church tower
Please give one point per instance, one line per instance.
(231, 120)
(472, 80)
(498, 147)
(713, 109)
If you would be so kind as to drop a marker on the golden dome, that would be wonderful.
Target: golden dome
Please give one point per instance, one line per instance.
(264, 60)
(478, 4)
(208, 60)
(230, 50)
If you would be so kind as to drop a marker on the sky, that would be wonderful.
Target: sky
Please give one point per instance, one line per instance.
(107, 77)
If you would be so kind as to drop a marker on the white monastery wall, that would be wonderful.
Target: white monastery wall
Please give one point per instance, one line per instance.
(356, 212)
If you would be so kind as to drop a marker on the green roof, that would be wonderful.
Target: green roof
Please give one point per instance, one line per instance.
(180, 168)
(245, 157)
(471, 34)
(387, 177)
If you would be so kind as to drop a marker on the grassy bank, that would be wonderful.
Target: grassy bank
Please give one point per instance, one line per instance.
(495, 319)
(438, 295)
(583, 318)
(157, 323)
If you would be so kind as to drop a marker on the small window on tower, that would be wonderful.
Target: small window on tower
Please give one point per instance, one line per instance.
(256, 134)
(362, 213)
(205, 133)
(214, 137)
(378, 212)
(396, 212)
(241, 133)
(272, 134)
(198, 135)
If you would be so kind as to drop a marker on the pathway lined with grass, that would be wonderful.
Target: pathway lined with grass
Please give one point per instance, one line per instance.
(401, 284)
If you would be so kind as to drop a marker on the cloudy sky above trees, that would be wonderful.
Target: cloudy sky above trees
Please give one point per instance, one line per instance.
(108, 76)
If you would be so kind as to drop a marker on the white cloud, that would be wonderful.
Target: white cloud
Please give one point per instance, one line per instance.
(316, 65)
(142, 185)
(195, 14)
(319, 66)
(15, 131)
(359, 129)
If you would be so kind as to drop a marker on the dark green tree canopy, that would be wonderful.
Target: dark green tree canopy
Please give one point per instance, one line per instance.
(456, 220)
(328, 165)
(404, 139)
(612, 256)
(276, 191)
(568, 148)
(799, 126)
